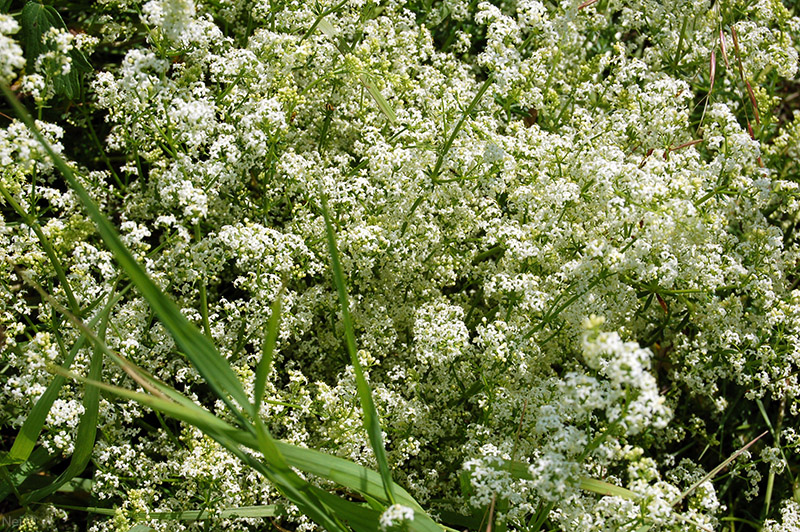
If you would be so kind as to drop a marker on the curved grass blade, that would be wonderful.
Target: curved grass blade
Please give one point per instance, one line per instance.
(245, 512)
(292, 486)
(605, 488)
(87, 427)
(214, 369)
(352, 476)
(33, 424)
(343, 472)
(371, 419)
(268, 351)
(39, 460)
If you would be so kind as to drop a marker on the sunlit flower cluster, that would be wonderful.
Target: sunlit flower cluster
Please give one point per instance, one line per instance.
(569, 277)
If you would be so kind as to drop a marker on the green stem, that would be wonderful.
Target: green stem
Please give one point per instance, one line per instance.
(449, 143)
(46, 246)
(203, 293)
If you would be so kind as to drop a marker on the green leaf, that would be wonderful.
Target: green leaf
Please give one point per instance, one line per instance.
(360, 518)
(520, 470)
(343, 472)
(214, 369)
(383, 105)
(36, 21)
(87, 428)
(292, 486)
(39, 460)
(34, 423)
(248, 512)
(604, 488)
(268, 350)
(371, 420)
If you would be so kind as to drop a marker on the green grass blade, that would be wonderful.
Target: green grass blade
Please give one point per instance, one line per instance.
(359, 518)
(140, 528)
(33, 424)
(711, 474)
(343, 472)
(279, 473)
(445, 149)
(38, 461)
(351, 475)
(245, 512)
(348, 474)
(87, 427)
(199, 417)
(520, 470)
(214, 369)
(268, 350)
(295, 488)
(604, 488)
(371, 419)
(383, 105)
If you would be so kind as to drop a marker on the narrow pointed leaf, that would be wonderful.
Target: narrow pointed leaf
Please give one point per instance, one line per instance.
(214, 369)
(371, 420)
(604, 488)
(383, 105)
(352, 476)
(33, 424)
(268, 351)
(87, 427)
(38, 461)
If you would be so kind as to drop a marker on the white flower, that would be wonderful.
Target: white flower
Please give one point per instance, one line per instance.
(11, 58)
(396, 516)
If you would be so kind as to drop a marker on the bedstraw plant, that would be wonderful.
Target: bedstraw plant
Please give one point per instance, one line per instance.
(399, 265)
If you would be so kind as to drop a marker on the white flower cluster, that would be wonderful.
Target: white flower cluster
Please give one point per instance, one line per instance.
(481, 234)
(790, 518)
(11, 58)
(395, 516)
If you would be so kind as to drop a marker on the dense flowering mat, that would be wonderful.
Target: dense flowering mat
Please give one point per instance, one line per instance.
(535, 261)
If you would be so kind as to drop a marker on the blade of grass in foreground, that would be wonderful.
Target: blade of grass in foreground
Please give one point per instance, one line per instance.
(198, 348)
(140, 528)
(267, 510)
(38, 461)
(214, 369)
(292, 486)
(33, 424)
(87, 427)
(345, 473)
(371, 420)
(287, 481)
(220, 377)
(268, 350)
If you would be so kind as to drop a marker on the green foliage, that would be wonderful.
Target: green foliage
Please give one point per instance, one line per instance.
(36, 21)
